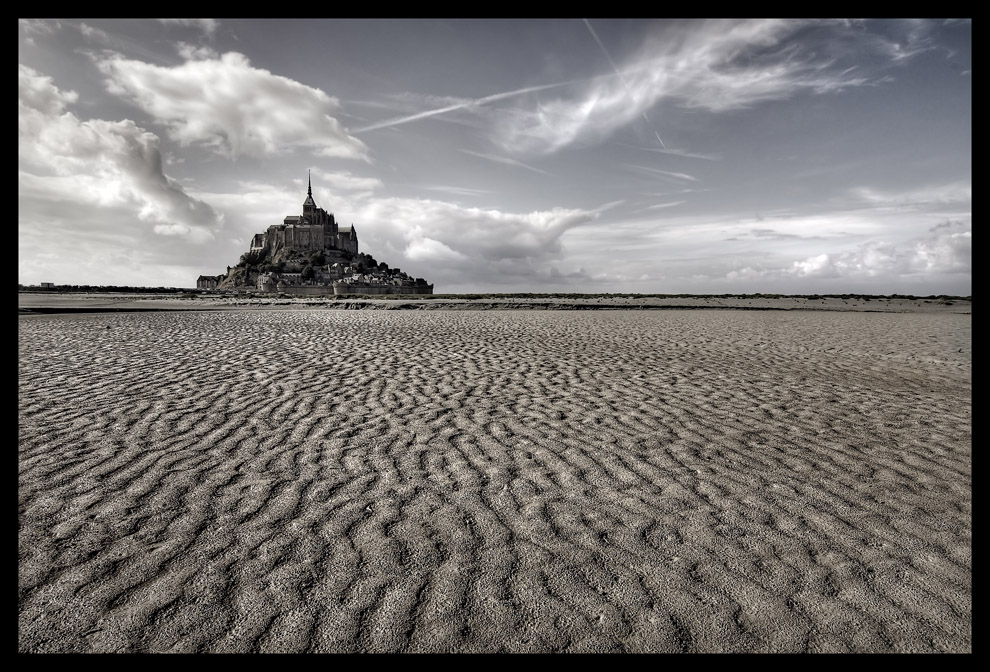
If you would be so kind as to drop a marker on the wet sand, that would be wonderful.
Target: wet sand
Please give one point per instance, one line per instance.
(495, 481)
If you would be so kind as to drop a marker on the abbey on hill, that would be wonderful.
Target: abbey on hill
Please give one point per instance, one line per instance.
(311, 254)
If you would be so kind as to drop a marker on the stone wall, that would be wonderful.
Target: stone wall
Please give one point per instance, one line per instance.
(381, 289)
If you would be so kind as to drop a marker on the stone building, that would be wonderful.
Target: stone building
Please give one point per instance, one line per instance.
(314, 230)
(208, 281)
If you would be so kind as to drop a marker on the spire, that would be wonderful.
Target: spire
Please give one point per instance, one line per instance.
(309, 204)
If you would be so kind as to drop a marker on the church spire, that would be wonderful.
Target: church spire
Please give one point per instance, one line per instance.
(309, 205)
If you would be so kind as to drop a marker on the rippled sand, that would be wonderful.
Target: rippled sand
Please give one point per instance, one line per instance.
(335, 481)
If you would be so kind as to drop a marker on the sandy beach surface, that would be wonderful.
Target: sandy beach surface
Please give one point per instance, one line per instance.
(314, 480)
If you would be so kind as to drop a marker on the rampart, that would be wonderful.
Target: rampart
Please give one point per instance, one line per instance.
(381, 289)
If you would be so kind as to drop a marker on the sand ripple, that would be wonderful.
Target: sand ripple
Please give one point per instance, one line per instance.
(327, 481)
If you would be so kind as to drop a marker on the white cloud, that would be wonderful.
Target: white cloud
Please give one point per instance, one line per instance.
(225, 104)
(446, 243)
(717, 65)
(458, 191)
(664, 173)
(746, 273)
(100, 178)
(477, 234)
(454, 104)
(683, 152)
(467, 248)
(429, 250)
(916, 40)
(208, 26)
(38, 27)
(960, 193)
(93, 33)
(344, 180)
(253, 207)
(948, 251)
(819, 266)
(39, 93)
(191, 52)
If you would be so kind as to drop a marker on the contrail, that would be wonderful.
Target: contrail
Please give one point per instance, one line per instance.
(505, 160)
(459, 106)
(623, 79)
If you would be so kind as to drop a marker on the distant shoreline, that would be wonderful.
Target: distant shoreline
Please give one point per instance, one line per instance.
(62, 302)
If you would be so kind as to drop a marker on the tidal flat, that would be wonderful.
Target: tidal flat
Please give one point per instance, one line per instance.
(317, 480)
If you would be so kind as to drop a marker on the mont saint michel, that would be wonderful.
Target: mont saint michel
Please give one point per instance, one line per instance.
(690, 369)
(311, 254)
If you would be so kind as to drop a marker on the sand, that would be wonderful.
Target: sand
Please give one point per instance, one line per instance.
(495, 481)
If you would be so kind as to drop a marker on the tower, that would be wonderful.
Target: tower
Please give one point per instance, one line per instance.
(309, 205)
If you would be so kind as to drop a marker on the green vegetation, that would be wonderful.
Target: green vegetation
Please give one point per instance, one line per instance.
(250, 259)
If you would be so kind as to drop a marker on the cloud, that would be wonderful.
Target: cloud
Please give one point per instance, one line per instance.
(916, 252)
(819, 266)
(93, 33)
(429, 250)
(459, 104)
(97, 181)
(948, 251)
(191, 52)
(456, 246)
(32, 27)
(956, 193)
(665, 173)
(504, 160)
(226, 105)
(345, 181)
(458, 191)
(684, 153)
(453, 246)
(208, 26)
(773, 234)
(39, 94)
(252, 207)
(478, 234)
(916, 40)
(715, 65)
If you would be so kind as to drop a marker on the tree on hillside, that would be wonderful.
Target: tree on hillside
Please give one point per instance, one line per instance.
(253, 258)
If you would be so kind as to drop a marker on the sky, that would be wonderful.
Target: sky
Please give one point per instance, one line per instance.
(529, 155)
